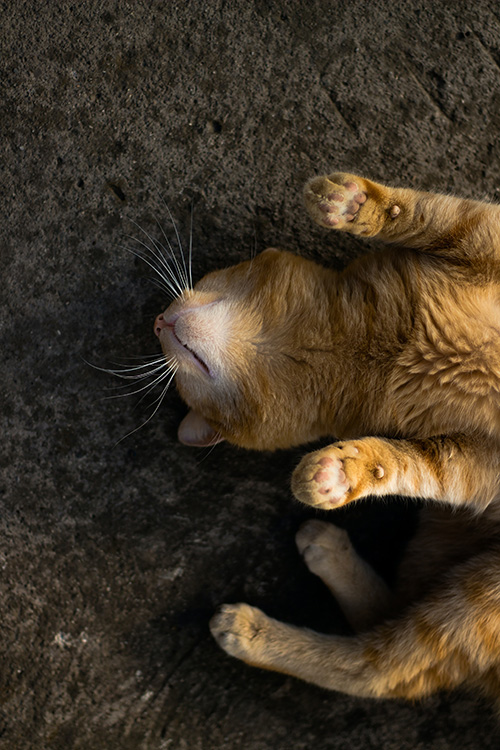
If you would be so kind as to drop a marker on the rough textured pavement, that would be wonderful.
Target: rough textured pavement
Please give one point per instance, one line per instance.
(113, 555)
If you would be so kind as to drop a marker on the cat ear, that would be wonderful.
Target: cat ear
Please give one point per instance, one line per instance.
(195, 431)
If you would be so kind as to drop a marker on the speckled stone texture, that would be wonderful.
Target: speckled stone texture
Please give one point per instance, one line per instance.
(114, 553)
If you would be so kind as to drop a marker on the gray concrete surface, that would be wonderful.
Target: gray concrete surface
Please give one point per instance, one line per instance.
(113, 555)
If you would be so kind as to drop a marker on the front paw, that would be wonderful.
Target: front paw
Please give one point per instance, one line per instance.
(239, 630)
(338, 474)
(334, 201)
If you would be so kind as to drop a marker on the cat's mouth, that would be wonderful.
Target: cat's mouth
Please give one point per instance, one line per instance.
(170, 324)
(194, 355)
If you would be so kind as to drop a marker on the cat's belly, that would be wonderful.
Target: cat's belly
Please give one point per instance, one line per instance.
(448, 376)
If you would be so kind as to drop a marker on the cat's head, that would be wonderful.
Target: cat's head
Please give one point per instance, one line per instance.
(246, 342)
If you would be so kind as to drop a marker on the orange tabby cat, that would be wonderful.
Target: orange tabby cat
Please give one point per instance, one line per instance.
(403, 346)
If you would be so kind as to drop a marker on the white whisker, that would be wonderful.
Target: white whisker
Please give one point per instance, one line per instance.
(178, 240)
(171, 283)
(253, 252)
(164, 392)
(211, 448)
(172, 273)
(142, 376)
(167, 284)
(159, 251)
(190, 258)
(156, 252)
(161, 361)
(153, 385)
(143, 357)
(169, 249)
(161, 286)
(157, 360)
(157, 380)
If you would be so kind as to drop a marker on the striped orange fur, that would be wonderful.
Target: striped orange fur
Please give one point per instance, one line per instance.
(398, 357)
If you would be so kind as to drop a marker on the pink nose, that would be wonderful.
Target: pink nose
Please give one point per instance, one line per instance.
(160, 324)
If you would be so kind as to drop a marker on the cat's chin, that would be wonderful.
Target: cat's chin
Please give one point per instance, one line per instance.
(195, 431)
(173, 343)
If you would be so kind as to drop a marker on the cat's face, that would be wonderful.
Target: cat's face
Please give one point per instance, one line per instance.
(246, 342)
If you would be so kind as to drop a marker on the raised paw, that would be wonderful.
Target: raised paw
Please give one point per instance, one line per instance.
(322, 545)
(239, 630)
(314, 533)
(338, 474)
(334, 201)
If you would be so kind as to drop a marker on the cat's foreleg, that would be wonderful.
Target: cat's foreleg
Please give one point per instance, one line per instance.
(328, 552)
(457, 469)
(441, 224)
(451, 635)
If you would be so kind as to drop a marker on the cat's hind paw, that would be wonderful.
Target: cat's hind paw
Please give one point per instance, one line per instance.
(334, 201)
(323, 546)
(240, 630)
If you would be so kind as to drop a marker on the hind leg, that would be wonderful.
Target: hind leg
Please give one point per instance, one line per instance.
(449, 637)
(328, 553)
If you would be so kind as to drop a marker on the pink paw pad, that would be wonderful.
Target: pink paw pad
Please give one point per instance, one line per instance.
(327, 461)
(331, 477)
(331, 220)
(341, 205)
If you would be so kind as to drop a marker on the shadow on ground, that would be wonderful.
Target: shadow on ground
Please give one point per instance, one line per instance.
(113, 555)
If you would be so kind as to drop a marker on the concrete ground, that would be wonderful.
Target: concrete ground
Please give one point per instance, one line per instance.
(114, 552)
